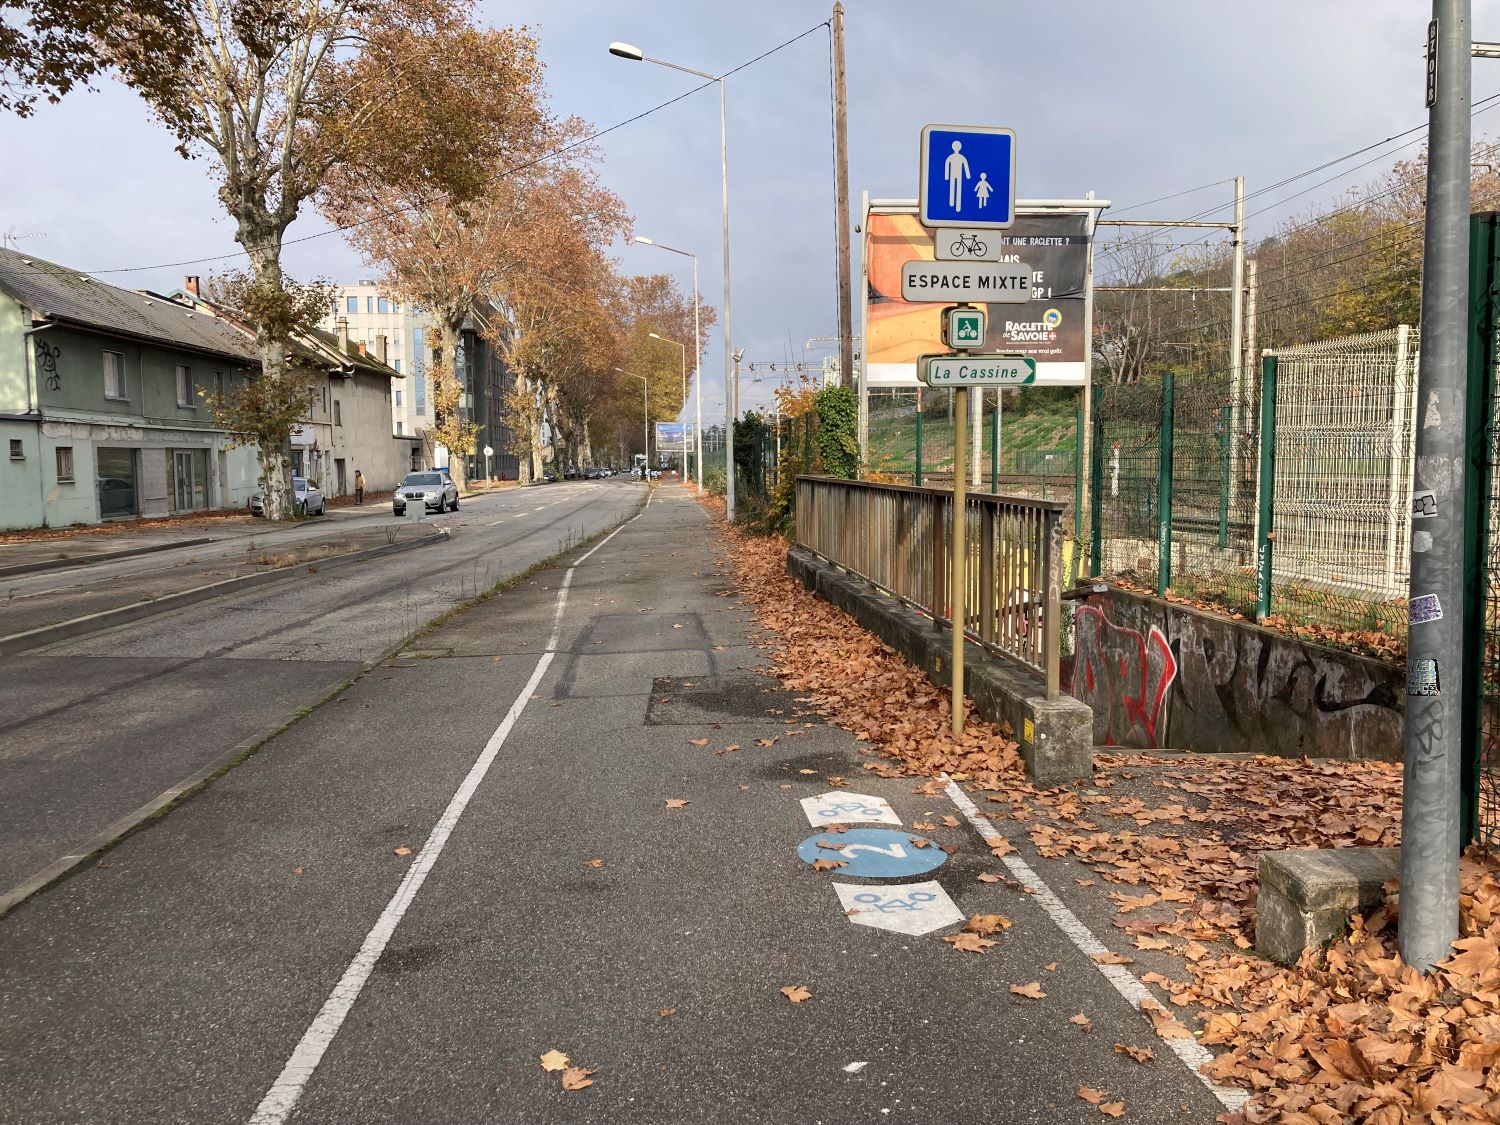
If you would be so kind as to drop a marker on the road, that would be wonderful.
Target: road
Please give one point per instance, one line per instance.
(95, 728)
(512, 844)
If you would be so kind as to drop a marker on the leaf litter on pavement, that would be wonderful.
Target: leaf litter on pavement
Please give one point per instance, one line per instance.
(1349, 1033)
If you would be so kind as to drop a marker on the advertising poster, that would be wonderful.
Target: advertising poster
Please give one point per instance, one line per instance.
(674, 437)
(1051, 328)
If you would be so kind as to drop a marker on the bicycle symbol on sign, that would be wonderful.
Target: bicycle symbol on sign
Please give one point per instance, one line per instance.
(914, 901)
(968, 244)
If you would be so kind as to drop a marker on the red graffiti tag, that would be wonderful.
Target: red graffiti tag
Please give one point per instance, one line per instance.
(1125, 678)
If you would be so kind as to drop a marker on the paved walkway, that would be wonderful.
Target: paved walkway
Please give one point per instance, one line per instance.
(570, 822)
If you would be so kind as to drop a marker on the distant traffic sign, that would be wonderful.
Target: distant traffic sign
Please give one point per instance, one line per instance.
(489, 451)
(976, 370)
(986, 282)
(968, 176)
(964, 328)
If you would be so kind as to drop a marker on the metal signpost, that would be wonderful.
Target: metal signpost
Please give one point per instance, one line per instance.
(489, 462)
(967, 186)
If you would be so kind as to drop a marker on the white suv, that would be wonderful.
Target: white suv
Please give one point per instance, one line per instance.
(435, 489)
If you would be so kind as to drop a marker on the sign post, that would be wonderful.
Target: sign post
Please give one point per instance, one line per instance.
(960, 582)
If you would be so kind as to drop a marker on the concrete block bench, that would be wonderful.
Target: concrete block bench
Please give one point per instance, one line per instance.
(1308, 895)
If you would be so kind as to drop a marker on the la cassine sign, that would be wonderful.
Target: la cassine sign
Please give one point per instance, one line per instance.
(976, 370)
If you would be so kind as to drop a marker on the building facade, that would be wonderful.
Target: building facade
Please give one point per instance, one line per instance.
(101, 408)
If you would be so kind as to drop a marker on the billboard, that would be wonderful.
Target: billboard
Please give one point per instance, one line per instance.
(674, 437)
(1052, 328)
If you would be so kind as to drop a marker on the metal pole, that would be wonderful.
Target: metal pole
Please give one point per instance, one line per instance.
(917, 468)
(1265, 541)
(976, 425)
(1237, 320)
(1096, 489)
(841, 198)
(1226, 423)
(864, 336)
(995, 441)
(1432, 749)
(697, 378)
(960, 557)
(1403, 395)
(729, 395)
(1164, 486)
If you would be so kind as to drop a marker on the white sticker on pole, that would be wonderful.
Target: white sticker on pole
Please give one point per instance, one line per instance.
(848, 808)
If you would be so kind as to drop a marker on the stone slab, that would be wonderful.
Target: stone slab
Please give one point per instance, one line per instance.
(1308, 895)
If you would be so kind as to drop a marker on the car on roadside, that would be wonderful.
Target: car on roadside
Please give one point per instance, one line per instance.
(593, 474)
(549, 476)
(435, 490)
(307, 499)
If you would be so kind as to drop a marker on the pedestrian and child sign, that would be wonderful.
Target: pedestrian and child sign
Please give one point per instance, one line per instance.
(968, 176)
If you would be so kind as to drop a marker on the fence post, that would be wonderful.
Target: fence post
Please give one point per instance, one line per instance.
(1264, 549)
(995, 442)
(917, 468)
(1096, 487)
(1164, 486)
(1484, 248)
(1226, 424)
(1052, 608)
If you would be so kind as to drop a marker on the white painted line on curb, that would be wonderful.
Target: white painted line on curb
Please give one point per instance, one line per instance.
(282, 1097)
(1191, 1053)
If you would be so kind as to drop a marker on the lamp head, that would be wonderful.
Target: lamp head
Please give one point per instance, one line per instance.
(642, 240)
(654, 336)
(626, 51)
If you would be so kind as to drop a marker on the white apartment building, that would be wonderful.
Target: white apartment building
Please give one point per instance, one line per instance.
(371, 314)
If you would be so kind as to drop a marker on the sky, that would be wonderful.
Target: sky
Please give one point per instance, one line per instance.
(1133, 101)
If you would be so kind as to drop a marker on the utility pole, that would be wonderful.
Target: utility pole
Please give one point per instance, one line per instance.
(841, 198)
(1237, 335)
(1434, 662)
(1252, 328)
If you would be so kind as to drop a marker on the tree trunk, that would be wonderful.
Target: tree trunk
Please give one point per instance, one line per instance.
(263, 245)
(453, 428)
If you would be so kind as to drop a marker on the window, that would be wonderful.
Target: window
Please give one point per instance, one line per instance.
(351, 304)
(184, 386)
(64, 464)
(383, 305)
(395, 306)
(398, 429)
(114, 375)
(338, 417)
(219, 387)
(369, 304)
(17, 451)
(398, 367)
(398, 398)
(325, 400)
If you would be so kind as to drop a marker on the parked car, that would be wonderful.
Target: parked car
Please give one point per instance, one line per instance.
(307, 499)
(593, 474)
(435, 489)
(549, 475)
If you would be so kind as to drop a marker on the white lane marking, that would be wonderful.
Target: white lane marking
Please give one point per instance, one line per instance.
(1191, 1053)
(282, 1097)
(843, 807)
(911, 908)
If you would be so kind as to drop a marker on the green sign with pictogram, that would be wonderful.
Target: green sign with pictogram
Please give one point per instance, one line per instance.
(964, 328)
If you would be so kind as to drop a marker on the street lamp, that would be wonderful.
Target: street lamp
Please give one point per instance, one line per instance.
(683, 346)
(635, 54)
(697, 352)
(645, 421)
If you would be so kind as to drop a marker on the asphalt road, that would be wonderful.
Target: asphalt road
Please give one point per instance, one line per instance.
(96, 727)
(396, 907)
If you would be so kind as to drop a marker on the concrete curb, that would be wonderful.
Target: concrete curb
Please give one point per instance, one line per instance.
(103, 557)
(59, 869)
(109, 618)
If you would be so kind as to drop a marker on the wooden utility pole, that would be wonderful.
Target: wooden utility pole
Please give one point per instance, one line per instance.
(841, 201)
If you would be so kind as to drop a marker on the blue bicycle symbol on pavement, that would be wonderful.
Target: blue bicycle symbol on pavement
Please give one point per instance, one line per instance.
(857, 808)
(914, 901)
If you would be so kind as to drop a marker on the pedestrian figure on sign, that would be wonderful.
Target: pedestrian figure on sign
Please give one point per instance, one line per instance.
(956, 171)
(359, 487)
(983, 189)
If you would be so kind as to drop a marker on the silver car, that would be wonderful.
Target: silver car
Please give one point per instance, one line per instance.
(307, 498)
(434, 489)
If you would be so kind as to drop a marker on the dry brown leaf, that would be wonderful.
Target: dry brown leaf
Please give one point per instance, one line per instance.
(1032, 991)
(986, 924)
(594, 863)
(1114, 1109)
(577, 1077)
(796, 993)
(1109, 957)
(296, 871)
(676, 803)
(403, 850)
(1141, 1055)
(951, 821)
(1050, 966)
(990, 877)
(918, 841)
(968, 942)
(828, 864)
(697, 742)
(554, 1060)
(1091, 1095)
(666, 1012)
(1082, 1021)
(807, 773)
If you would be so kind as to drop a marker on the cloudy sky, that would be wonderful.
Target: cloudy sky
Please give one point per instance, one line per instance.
(1133, 100)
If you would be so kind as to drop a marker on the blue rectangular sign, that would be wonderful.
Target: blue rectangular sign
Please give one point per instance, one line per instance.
(968, 176)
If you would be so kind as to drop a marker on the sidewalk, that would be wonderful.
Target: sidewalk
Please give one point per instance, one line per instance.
(581, 818)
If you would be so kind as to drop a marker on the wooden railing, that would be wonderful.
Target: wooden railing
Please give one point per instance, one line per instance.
(897, 537)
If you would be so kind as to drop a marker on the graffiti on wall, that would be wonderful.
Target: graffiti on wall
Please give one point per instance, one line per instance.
(1159, 676)
(1123, 676)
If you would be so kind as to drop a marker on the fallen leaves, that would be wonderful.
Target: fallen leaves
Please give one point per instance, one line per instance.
(666, 1013)
(1032, 991)
(1091, 1095)
(1082, 1021)
(577, 1077)
(796, 993)
(554, 1060)
(1112, 1109)
(402, 850)
(1142, 1055)
(986, 924)
(697, 742)
(677, 803)
(969, 942)
(828, 864)
(1111, 958)
(594, 863)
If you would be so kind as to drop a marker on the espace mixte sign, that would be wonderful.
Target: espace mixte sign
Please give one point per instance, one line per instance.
(1051, 327)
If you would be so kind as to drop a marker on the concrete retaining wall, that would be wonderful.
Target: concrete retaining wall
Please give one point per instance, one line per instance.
(1163, 676)
(1054, 736)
